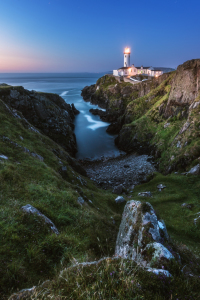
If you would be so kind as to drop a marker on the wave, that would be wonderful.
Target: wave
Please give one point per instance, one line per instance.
(64, 93)
(97, 124)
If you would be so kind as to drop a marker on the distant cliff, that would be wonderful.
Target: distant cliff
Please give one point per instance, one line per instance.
(161, 116)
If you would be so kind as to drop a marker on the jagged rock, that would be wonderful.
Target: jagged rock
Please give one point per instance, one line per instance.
(195, 170)
(119, 199)
(32, 210)
(80, 200)
(145, 194)
(159, 251)
(141, 235)
(48, 112)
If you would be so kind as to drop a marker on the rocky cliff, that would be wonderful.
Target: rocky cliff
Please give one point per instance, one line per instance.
(47, 112)
(160, 116)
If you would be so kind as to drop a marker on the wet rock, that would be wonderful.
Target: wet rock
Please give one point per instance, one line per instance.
(141, 235)
(145, 194)
(119, 199)
(195, 170)
(32, 210)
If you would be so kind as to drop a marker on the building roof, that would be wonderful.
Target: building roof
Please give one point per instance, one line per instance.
(143, 67)
(124, 68)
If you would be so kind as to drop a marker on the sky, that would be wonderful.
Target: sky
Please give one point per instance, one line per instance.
(90, 35)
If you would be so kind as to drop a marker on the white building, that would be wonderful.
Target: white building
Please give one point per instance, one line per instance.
(130, 70)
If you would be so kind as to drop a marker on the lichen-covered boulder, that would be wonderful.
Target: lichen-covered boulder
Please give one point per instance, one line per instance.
(32, 210)
(142, 237)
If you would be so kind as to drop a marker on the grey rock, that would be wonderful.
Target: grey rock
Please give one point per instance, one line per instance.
(14, 94)
(145, 194)
(118, 189)
(166, 125)
(80, 200)
(3, 156)
(119, 199)
(138, 221)
(195, 170)
(160, 252)
(178, 145)
(159, 272)
(32, 210)
(186, 205)
(185, 127)
(160, 187)
(37, 156)
(196, 219)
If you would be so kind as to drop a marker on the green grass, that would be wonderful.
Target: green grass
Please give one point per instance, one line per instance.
(29, 252)
(179, 221)
(117, 279)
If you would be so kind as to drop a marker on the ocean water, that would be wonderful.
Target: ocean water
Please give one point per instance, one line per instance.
(92, 139)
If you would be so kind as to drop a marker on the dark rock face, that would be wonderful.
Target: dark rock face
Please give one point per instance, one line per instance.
(48, 112)
(185, 87)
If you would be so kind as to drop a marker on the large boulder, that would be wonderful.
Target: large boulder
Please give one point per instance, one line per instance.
(142, 236)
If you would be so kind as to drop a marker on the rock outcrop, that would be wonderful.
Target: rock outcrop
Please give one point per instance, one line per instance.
(142, 237)
(47, 112)
(29, 209)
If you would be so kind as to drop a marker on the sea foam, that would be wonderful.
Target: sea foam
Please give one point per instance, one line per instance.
(96, 124)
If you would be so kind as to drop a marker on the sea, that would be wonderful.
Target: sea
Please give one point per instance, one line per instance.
(93, 142)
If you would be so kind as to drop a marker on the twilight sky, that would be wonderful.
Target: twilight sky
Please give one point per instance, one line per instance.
(90, 35)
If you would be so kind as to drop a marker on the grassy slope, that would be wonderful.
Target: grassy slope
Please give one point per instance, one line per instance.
(29, 252)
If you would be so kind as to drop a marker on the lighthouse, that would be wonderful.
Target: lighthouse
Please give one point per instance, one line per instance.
(127, 54)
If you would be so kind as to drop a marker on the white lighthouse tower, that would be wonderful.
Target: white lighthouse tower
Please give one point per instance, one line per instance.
(127, 54)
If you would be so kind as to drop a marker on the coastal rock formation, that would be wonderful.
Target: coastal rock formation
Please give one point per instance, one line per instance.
(142, 237)
(47, 112)
(185, 88)
(160, 117)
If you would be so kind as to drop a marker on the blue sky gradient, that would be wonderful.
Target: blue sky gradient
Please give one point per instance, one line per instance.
(90, 35)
